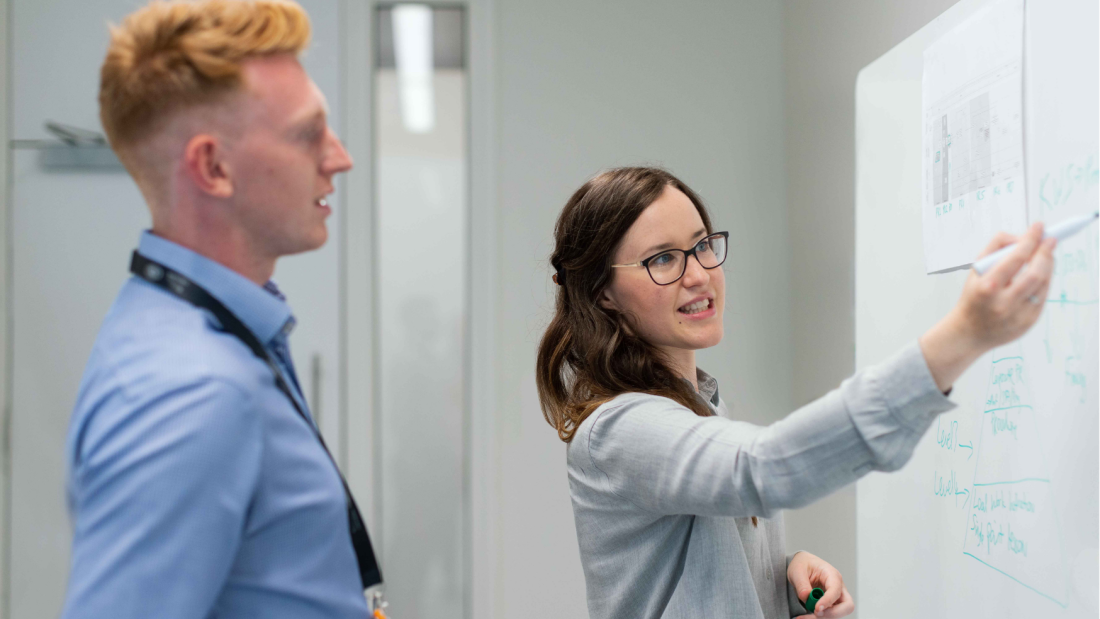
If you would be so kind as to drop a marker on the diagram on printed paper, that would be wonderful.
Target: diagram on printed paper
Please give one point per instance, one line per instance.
(1013, 526)
(972, 147)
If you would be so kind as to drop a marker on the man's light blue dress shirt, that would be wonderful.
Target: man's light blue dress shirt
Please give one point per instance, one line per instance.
(196, 490)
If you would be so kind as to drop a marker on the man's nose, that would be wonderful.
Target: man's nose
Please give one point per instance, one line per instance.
(337, 158)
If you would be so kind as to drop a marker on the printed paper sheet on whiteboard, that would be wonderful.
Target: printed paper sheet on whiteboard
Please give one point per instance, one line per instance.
(973, 155)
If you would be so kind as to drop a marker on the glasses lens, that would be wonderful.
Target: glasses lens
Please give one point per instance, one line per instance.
(711, 251)
(667, 267)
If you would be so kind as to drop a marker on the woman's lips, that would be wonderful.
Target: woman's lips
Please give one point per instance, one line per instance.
(698, 309)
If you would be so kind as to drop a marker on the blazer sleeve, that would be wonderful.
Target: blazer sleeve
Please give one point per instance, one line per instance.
(663, 458)
(164, 491)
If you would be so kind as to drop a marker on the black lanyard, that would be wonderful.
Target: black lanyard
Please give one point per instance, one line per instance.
(182, 287)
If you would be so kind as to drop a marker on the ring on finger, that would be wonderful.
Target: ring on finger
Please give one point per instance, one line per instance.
(1034, 300)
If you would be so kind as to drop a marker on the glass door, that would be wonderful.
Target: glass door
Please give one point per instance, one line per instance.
(421, 249)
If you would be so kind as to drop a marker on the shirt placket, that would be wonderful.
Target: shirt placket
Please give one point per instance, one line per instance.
(280, 348)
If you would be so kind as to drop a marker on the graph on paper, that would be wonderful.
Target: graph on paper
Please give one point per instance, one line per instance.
(973, 151)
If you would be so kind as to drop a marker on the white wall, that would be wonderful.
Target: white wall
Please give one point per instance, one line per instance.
(825, 46)
(583, 86)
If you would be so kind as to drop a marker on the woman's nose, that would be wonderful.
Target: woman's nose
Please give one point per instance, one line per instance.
(695, 274)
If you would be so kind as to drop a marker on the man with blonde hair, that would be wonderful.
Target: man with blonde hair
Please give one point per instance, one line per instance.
(198, 483)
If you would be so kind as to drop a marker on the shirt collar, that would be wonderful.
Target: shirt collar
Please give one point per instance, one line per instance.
(708, 387)
(262, 309)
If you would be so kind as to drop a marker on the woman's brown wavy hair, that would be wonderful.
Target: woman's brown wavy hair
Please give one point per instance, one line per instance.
(589, 354)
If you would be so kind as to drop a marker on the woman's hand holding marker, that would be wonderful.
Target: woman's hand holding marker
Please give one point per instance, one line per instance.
(807, 571)
(995, 308)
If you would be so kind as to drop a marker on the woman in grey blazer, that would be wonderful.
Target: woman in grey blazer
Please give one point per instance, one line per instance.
(678, 507)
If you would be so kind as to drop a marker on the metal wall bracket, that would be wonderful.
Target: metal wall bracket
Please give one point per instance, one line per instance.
(74, 149)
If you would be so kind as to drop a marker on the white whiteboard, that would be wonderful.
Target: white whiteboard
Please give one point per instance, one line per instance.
(997, 513)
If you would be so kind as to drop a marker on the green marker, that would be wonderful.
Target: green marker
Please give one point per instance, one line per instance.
(811, 600)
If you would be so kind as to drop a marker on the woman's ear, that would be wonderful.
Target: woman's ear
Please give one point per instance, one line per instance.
(607, 301)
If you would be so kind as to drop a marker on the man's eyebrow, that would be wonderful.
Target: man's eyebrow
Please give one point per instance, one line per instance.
(663, 246)
(309, 119)
(317, 111)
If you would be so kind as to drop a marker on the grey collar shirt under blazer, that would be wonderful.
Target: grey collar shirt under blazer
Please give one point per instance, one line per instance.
(663, 498)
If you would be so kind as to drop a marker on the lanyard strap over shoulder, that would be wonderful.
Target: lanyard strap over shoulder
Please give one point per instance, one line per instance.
(180, 286)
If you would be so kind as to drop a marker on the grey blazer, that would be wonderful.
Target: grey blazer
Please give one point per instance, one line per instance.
(663, 498)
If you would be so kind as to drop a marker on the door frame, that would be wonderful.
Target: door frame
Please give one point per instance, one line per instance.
(480, 460)
(6, 331)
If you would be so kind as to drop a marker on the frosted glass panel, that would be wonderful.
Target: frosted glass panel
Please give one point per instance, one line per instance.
(422, 285)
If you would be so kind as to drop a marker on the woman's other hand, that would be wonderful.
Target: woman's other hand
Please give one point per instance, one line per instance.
(994, 309)
(807, 571)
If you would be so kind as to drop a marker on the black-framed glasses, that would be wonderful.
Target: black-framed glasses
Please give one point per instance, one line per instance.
(670, 265)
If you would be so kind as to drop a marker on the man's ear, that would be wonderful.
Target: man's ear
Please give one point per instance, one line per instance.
(204, 159)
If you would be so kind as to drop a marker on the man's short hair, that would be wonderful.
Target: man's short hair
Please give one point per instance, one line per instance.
(171, 56)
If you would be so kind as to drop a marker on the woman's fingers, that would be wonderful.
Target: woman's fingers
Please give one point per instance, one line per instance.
(798, 573)
(834, 588)
(800, 579)
(1001, 239)
(1042, 292)
(1007, 268)
(1032, 308)
(1038, 272)
(843, 607)
(807, 571)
